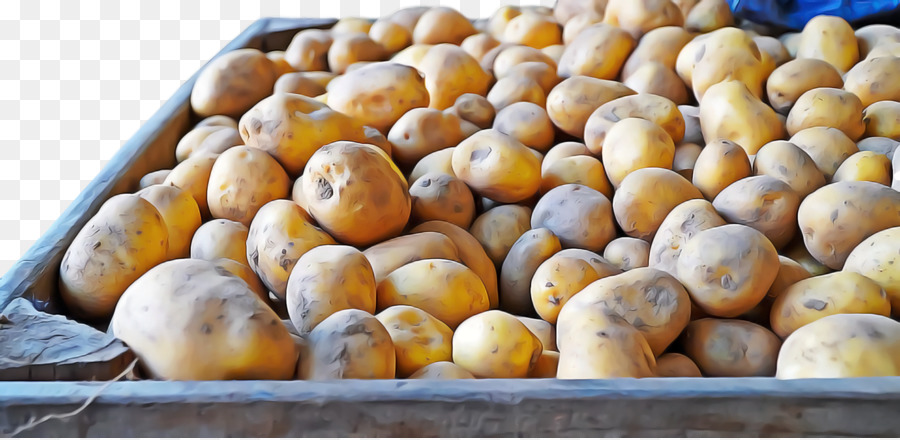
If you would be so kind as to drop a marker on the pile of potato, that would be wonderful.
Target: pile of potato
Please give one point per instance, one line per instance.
(609, 188)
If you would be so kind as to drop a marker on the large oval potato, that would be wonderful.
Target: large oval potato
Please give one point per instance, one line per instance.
(635, 143)
(214, 139)
(525, 256)
(730, 111)
(720, 164)
(789, 164)
(497, 166)
(764, 203)
(627, 253)
(580, 216)
(832, 226)
(419, 339)
(583, 55)
(126, 238)
(827, 107)
(192, 176)
(681, 224)
(422, 131)
(390, 255)
(825, 295)
(865, 166)
(731, 347)
(180, 214)
(351, 344)
(378, 94)
(794, 78)
(867, 80)
(242, 180)
(657, 109)
(498, 228)
(727, 54)
(599, 345)
(828, 147)
(308, 50)
(494, 344)
(646, 196)
(572, 101)
(829, 39)
(232, 83)
(875, 258)
(220, 238)
(560, 277)
(727, 269)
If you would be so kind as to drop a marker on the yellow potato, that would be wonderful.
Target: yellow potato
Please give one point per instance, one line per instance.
(825, 295)
(727, 54)
(512, 89)
(579, 216)
(875, 258)
(497, 166)
(308, 50)
(554, 52)
(500, 18)
(828, 147)
(872, 35)
(392, 36)
(356, 193)
(494, 344)
(442, 370)
(517, 271)
(708, 15)
(865, 166)
(657, 79)
(727, 269)
(153, 178)
(646, 196)
(640, 16)
(437, 162)
(681, 225)
(828, 107)
(676, 365)
(478, 45)
(582, 55)
(880, 145)
(602, 346)
(842, 346)
(546, 366)
(506, 57)
(544, 331)
(867, 80)
(422, 131)
(764, 203)
(577, 24)
(442, 25)
(126, 238)
(582, 170)
(829, 39)
(685, 159)
(528, 123)
(448, 290)
(419, 339)
(794, 78)
(565, 10)
(214, 139)
(532, 29)
(242, 180)
(351, 344)
(632, 144)
(446, 85)
(412, 55)
(660, 45)
(218, 239)
(563, 150)
(656, 109)
(475, 109)
(442, 197)
(720, 164)
(731, 348)
(730, 111)
(192, 176)
(498, 228)
(180, 215)
(628, 253)
(300, 83)
(882, 119)
(232, 83)
(563, 275)
(353, 47)
(789, 272)
(571, 103)
(191, 320)
(390, 255)
(378, 94)
(789, 164)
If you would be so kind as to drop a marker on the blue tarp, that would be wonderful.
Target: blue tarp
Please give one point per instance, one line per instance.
(795, 13)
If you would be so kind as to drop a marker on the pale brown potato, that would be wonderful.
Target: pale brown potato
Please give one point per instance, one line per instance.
(563, 275)
(422, 131)
(571, 103)
(828, 107)
(628, 253)
(475, 109)
(646, 196)
(875, 258)
(657, 79)
(731, 348)
(528, 123)
(794, 78)
(680, 226)
(351, 344)
(581, 55)
(828, 147)
(727, 269)
(390, 255)
(356, 193)
(378, 94)
(353, 47)
(442, 370)
(524, 257)
(832, 227)
(869, 80)
(441, 197)
(685, 159)
(212, 139)
(308, 50)
(218, 239)
(446, 85)
(442, 25)
(602, 346)
(241, 181)
(498, 228)
(720, 164)
(232, 83)
(865, 166)
(882, 119)
(764, 203)
(299, 83)
(180, 215)
(637, 17)
(660, 45)
(497, 166)
(676, 365)
(419, 338)
(817, 297)
(583, 170)
(532, 29)
(656, 109)
(507, 57)
(153, 178)
(494, 344)
(577, 24)
(729, 110)
(478, 45)
(512, 89)
(708, 15)
(392, 36)
(772, 47)
(727, 54)
(580, 216)
(790, 164)
(192, 175)
(544, 331)
(565, 10)
(829, 39)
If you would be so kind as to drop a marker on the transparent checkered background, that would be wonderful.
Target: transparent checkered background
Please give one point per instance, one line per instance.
(78, 77)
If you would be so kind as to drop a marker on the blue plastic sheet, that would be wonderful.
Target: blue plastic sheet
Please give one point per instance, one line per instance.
(794, 14)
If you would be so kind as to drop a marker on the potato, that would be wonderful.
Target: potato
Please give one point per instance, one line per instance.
(180, 215)
(870, 36)
(217, 121)
(582, 170)
(242, 180)
(829, 39)
(789, 272)
(244, 272)
(660, 45)
(637, 17)
(868, 80)
(708, 15)
(446, 289)
(408, 16)
(797, 251)
(214, 139)
(378, 94)
(565, 10)
(412, 55)
(764, 203)
(730, 111)
(419, 339)
(882, 119)
(353, 47)
(153, 178)
(546, 366)
(220, 238)
(731, 348)
(232, 83)
(279, 235)
(602, 346)
(727, 269)
(446, 85)
(720, 164)
(532, 29)
(442, 25)
(628, 253)
(497, 166)
(356, 193)
(528, 123)
(646, 196)
(880, 145)
(544, 331)
(828, 148)
(422, 131)
(299, 83)
(564, 150)
(308, 50)
(392, 36)
(680, 226)
(475, 109)
(656, 109)
(814, 298)
(442, 370)
(577, 24)
(875, 258)
(554, 52)
(570, 104)
(439, 162)
(581, 56)
(842, 346)
(517, 271)
(651, 300)
(390, 255)
(494, 344)
(432, 195)
(580, 216)
(685, 159)
(540, 71)
(192, 176)
(656, 79)
(794, 78)
(865, 166)
(789, 164)
(127, 237)
(561, 276)
(216, 328)
(351, 344)
(498, 228)
(827, 107)
(499, 20)
(477, 45)
(774, 48)
(632, 144)
(512, 89)
(727, 54)
(676, 365)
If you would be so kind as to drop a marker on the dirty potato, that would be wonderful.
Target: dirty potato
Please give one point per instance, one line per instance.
(731, 348)
(242, 180)
(351, 344)
(764, 203)
(876, 259)
(419, 339)
(517, 271)
(789, 164)
(494, 344)
(560, 277)
(646, 196)
(628, 253)
(580, 216)
(442, 197)
(498, 228)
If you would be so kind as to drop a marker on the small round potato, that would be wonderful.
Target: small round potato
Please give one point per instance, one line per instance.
(731, 348)
(828, 147)
(867, 80)
(356, 193)
(153, 178)
(865, 166)
(581, 56)
(126, 238)
(242, 180)
(646, 196)
(220, 238)
(660, 45)
(582, 170)
(442, 25)
(641, 16)
(580, 216)
(876, 258)
(727, 269)
(498, 228)
(442, 370)
(180, 215)
(517, 272)
(571, 103)
(353, 47)
(794, 78)
(419, 339)
(497, 166)
(827, 107)
(494, 344)
(676, 365)
(478, 45)
(308, 50)
(628, 253)
(830, 39)
(351, 344)
(446, 85)
(392, 36)
(653, 108)
(720, 164)
(232, 83)
(730, 111)
(632, 144)
(192, 176)
(599, 345)
(657, 79)
(422, 131)
(518, 88)
(440, 162)
(528, 123)
(378, 94)
(685, 159)
(789, 164)
(532, 29)
(562, 276)
(442, 197)
(680, 226)
(448, 290)
(214, 139)
(764, 203)
(825, 295)
(475, 109)
(390, 255)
